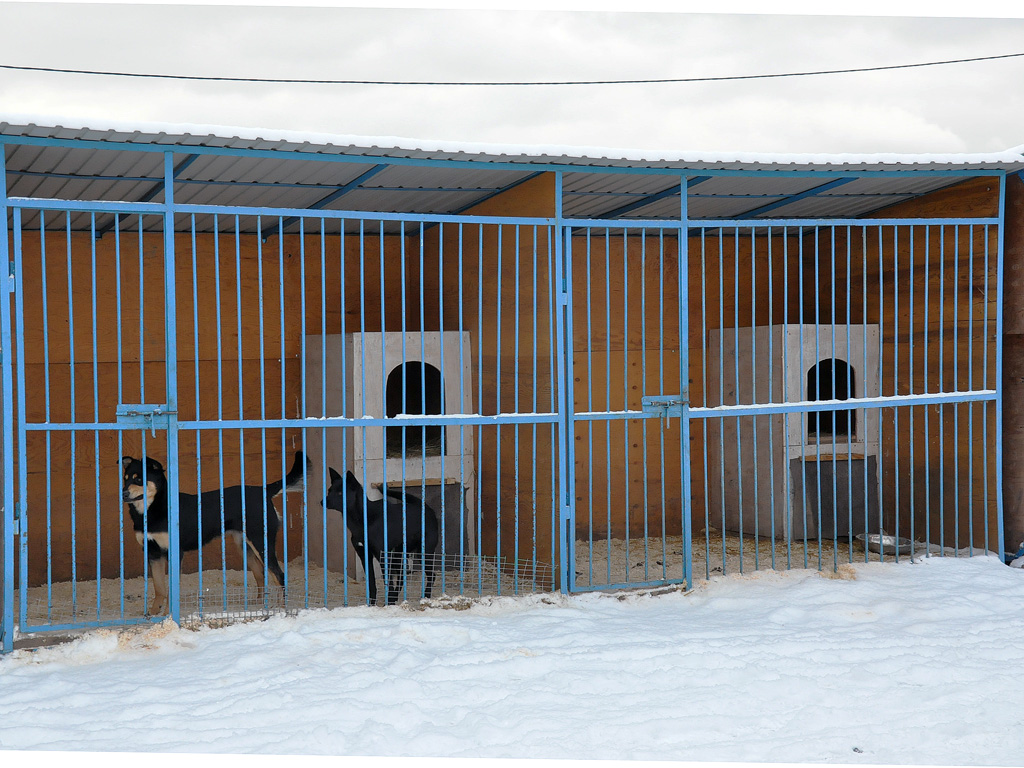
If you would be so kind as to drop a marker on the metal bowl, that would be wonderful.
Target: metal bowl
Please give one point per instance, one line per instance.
(885, 544)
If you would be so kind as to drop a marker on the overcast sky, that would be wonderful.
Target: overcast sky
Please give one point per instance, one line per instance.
(974, 107)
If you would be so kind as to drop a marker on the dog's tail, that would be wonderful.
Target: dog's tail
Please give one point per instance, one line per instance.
(294, 480)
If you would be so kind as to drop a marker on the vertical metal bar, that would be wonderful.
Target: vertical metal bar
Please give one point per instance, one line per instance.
(171, 373)
(304, 410)
(927, 389)
(590, 407)
(283, 369)
(684, 379)
(753, 390)
(462, 429)
(71, 370)
(445, 442)
(608, 402)
(198, 414)
(220, 403)
(787, 467)
(970, 386)
(955, 290)
(704, 386)
(625, 391)
(46, 396)
(96, 416)
(480, 403)
(998, 383)
(263, 399)
(7, 286)
(566, 506)
(643, 388)
(497, 405)
(515, 429)
(120, 393)
(910, 378)
(739, 397)
(896, 376)
(771, 394)
(661, 389)
(241, 413)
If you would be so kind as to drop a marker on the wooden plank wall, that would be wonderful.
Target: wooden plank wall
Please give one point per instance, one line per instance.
(1013, 366)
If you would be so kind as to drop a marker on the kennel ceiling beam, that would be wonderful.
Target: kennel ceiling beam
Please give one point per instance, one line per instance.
(324, 201)
(152, 192)
(648, 199)
(812, 192)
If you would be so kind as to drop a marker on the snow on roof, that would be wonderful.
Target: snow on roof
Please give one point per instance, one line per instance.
(268, 138)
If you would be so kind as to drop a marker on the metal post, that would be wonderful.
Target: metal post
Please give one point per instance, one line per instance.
(684, 381)
(998, 383)
(566, 495)
(7, 622)
(171, 373)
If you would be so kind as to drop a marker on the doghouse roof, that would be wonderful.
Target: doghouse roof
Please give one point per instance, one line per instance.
(63, 159)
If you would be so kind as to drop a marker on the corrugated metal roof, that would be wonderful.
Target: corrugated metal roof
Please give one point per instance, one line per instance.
(460, 175)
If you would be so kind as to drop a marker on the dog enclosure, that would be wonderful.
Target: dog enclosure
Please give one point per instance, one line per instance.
(596, 373)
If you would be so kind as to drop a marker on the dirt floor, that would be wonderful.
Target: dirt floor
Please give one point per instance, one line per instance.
(219, 597)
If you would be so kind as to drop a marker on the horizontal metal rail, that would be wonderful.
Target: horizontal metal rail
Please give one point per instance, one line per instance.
(104, 206)
(464, 420)
(767, 409)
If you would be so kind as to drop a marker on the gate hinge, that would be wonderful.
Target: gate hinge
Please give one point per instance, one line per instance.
(17, 519)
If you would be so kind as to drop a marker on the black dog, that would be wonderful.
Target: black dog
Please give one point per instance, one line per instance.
(418, 531)
(147, 505)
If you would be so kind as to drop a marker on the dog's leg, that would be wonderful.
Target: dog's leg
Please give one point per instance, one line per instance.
(396, 579)
(158, 571)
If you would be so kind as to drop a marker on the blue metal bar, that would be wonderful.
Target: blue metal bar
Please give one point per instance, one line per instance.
(171, 371)
(670, 191)
(324, 201)
(1000, 267)
(96, 413)
(563, 314)
(198, 413)
(7, 286)
(813, 192)
(126, 207)
(151, 193)
(684, 378)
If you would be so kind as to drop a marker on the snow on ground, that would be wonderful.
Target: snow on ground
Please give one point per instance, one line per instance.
(909, 663)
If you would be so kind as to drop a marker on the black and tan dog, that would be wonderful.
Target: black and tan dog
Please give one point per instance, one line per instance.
(147, 505)
(397, 525)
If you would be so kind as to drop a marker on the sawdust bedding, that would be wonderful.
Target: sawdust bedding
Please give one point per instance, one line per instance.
(223, 596)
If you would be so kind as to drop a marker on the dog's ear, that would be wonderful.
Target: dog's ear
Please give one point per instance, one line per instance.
(153, 464)
(125, 461)
(335, 477)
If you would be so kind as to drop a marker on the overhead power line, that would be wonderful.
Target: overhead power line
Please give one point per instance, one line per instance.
(638, 81)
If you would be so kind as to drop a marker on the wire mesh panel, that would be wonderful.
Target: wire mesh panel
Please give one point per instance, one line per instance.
(848, 379)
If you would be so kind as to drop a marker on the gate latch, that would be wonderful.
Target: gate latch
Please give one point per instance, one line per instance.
(144, 415)
(665, 406)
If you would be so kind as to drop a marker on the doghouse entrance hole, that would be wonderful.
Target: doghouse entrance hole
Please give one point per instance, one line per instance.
(831, 379)
(414, 388)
